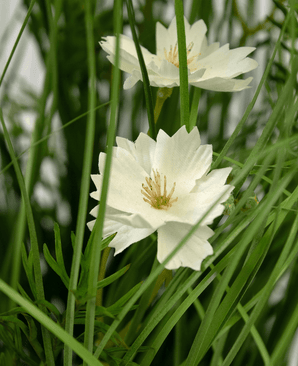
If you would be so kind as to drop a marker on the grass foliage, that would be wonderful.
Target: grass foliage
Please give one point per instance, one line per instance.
(65, 300)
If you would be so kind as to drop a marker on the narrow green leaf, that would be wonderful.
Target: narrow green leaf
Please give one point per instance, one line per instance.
(183, 69)
(55, 267)
(112, 278)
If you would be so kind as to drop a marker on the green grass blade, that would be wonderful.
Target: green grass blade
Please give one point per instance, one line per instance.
(183, 69)
(95, 257)
(85, 183)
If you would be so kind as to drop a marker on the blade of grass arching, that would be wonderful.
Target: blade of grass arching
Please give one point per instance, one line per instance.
(183, 69)
(194, 108)
(17, 40)
(252, 103)
(59, 332)
(207, 331)
(85, 182)
(95, 249)
(146, 83)
(267, 291)
(34, 243)
(152, 277)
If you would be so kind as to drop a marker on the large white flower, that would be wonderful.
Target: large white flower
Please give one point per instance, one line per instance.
(209, 67)
(163, 185)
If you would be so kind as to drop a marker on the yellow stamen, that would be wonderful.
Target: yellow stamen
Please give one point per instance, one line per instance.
(153, 194)
(172, 55)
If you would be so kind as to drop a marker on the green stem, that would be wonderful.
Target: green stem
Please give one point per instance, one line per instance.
(194, 108)
(101, 274)
(183, 69)
(85, 184)
(162, 95)
(96, 248)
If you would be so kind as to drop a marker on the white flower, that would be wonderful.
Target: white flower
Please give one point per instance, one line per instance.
(162, 185)
(209, 67)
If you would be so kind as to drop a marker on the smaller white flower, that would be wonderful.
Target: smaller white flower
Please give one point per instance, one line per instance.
(163, 185)
(209, 67)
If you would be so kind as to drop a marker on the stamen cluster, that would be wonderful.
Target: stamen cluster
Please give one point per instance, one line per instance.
(172, 55)
(153, 192)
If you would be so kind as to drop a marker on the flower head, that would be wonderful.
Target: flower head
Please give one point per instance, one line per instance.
(163, 185)
(209, 66)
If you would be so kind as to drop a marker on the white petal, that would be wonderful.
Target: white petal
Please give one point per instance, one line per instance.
(216, 177)
(125, 183)
(192, 207)
(162, 41)
(224, 85)
(126, 235)
(125, 191)
(130, 82)
(127, 145)
(142, 150)
(91, 224)
(196, 34)
(145, 151)
(127, 46)
(196, 249)
(182, 159)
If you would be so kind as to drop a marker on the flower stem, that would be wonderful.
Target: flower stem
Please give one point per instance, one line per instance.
(101, 274)
(194, 108)
(183, 69)
(162, 95)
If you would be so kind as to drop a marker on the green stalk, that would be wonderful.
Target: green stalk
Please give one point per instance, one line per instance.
(183, 69)
(95, 256)
(34, 243)
(194, 108)
(85, 184)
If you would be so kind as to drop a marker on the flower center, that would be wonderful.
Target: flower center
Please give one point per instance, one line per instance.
(172, 55)
(153, 194)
